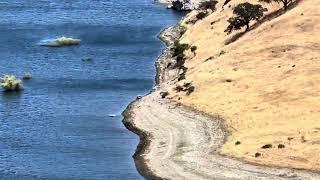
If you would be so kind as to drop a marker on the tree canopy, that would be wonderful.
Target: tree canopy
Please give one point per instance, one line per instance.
(245, 13)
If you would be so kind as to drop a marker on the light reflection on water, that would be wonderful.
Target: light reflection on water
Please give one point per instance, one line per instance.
(59, 126)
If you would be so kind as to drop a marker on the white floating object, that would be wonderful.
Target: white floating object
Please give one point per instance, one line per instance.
(61, 41)
(10, 83)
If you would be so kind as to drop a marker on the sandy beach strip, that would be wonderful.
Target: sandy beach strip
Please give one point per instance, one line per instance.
(179, 143)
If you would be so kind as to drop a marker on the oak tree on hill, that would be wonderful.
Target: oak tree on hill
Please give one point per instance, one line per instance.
(245, 13)
(284, 2)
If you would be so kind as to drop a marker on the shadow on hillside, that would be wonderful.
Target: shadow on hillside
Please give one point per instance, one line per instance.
(266, 18)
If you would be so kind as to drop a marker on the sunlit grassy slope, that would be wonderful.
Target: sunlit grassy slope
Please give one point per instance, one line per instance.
(266, 86)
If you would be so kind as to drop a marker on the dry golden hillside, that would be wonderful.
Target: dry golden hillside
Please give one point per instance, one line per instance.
(266, 86)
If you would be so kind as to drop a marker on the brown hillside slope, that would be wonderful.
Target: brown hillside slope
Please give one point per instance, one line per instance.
(266, 85)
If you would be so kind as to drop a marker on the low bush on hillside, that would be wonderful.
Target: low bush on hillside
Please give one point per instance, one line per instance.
(193, 48)
(205, 8)
(179, 49)
(11, 83)
(201, 15)
(187, 87)
(211, 4)
(180, 62)
(179, 88)
(178, 53)
(182, 31)
(190, 90)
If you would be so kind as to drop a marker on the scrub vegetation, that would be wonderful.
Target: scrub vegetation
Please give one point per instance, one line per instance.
(208, 5)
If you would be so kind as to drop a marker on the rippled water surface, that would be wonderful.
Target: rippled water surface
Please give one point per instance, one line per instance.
(59, 126)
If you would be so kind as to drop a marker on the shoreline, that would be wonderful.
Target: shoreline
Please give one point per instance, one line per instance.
(167, 149)
(145, 137)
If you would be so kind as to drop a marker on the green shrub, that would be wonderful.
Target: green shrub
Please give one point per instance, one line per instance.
(193, 48)
(180, 61)
(211, 4)
(187, 87)
(202, 15)
(266, 146)
(179, 49)
(179, 88)
(178, 52)
(190, 90)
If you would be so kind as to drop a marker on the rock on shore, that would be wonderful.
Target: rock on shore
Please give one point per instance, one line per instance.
(182, 5)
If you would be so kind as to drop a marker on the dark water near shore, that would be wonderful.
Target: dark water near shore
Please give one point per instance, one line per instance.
(59, 126)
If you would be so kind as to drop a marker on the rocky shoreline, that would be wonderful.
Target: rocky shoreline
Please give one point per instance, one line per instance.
(168, 36)
(177, 142)
(181, 5)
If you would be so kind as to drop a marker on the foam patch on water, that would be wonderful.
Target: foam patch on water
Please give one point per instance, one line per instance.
(60, 41)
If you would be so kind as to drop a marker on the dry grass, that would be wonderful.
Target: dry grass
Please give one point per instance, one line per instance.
(273, 92)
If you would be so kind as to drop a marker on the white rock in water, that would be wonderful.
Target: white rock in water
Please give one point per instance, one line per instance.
(26, 76)
(11, 83)
(61, 41)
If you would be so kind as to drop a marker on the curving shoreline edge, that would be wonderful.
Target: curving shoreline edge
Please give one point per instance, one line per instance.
(211, 164)
(144, 142)
(145, 137)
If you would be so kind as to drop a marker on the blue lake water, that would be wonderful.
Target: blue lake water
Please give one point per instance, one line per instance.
(59, 127)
